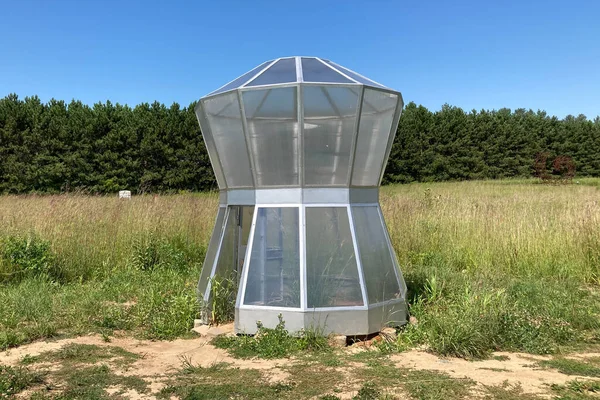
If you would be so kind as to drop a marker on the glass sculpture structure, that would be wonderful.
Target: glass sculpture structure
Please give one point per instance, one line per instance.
(299, 147)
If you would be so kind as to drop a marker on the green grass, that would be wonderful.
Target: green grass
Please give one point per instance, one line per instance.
(14, 380)
(577, 390)
(75, 353)
(83, 372)
(573, 367)
(493, 265)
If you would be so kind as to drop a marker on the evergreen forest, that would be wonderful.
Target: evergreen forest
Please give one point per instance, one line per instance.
(151, 148)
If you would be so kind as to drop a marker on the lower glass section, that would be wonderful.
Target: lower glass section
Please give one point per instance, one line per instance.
(381, 280)
(211, 253)
(274, 270)
(331, 270)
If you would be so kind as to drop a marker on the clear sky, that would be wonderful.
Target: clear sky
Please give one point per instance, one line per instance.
(539, 54)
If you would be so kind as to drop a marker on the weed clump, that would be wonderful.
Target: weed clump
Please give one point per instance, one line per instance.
(270, 343)
(26, 256)
(151, 252)
(14, 380)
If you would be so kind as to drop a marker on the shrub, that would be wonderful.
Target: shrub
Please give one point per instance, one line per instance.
(26, 256)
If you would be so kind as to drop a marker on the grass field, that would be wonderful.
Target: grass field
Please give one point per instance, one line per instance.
(492, 265)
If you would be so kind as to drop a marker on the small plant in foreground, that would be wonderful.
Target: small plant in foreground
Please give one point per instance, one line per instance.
(222, 300)
(14, 380)
(271, 343)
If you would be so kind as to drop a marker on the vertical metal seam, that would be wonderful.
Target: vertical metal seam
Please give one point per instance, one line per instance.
(302, 255)
(300, 117)
(242, 289)
(357, 131)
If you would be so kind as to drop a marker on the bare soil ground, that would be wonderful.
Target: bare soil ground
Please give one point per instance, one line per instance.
(161, 359)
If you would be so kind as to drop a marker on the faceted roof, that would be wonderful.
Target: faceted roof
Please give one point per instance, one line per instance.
(294, 70)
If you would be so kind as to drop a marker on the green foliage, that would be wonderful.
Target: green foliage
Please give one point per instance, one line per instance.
(271, 343)
(56, 147)
(222, 298)
(572, 367)
(577, 390)
(152, 252)
(14, 380)
(26, 256)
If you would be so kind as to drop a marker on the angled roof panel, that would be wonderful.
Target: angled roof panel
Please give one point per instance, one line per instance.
(297, 70)
(283, 71)
(234, 84)
(354, 75)
(314, 70)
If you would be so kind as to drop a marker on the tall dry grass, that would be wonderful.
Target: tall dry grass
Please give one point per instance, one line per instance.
(93, 235)
(517, 228)
(489, 265)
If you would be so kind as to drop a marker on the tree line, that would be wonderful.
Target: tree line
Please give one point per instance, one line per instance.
(57, 146)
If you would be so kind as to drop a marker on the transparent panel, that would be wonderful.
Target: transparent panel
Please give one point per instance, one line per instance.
(210, 147)
(227, 257)
(354, 75)
(211, 252)
(282, 71)
(331, 270)
(244, 223)
(242, 79)
(329, 129)
(375, 127)
(272, 123)
(375, 256)
(314, 70)
(224, 116)
(274, 271)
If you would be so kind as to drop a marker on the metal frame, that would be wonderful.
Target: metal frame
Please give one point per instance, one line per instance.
(364, 319)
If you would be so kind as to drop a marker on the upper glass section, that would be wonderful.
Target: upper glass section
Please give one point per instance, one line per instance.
(297, 69)
(299, 122)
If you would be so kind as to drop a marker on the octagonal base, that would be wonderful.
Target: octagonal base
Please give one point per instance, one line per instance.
(354, 321)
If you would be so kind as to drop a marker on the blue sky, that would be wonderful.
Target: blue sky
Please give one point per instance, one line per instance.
(472, 54)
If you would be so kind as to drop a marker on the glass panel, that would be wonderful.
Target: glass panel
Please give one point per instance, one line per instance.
(314, 70)
(375, 256)
(282, 71)
(227, 261)
(242, 79)
(211, 148)
(331, 271)
(274, 271)
(223, 115)
(329, 129)
(354, 75)
(211, 252)
(245, 222)
(272, 122)
(376, 119)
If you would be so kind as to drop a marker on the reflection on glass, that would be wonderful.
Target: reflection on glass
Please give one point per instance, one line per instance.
(274, 270)
(331, 270)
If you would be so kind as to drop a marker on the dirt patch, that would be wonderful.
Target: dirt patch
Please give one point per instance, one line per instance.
(161, 358)
(514, 368)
